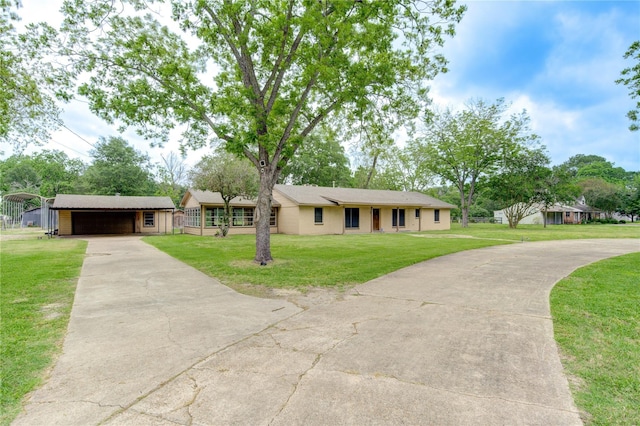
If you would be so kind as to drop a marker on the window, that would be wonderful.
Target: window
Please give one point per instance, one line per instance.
(272, 218)
(318, 215)
(192, 217)
(213, 216)
(351, 217)
(417, 213)
(149, 219)
(567, 214)
(395, 217)
(436, 215)
(242, 216)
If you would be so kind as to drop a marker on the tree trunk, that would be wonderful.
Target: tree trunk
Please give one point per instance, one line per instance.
(226, 219)
(371, 170)
(464, 211)
(262, 217)
(544, 217)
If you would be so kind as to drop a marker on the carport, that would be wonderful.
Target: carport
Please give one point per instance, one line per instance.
(105, 214)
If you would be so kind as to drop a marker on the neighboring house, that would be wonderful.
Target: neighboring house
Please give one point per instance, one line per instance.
(107, 214)
(557, 214)
(312, 210)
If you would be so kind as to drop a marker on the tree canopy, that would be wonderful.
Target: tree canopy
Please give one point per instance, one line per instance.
(28, 87)
(630, 77)
(463, 147)
(258, 76)
(118, 168)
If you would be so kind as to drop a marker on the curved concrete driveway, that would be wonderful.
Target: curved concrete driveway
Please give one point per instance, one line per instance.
(462, 339)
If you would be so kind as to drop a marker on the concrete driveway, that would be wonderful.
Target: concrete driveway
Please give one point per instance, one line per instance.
(462, 339)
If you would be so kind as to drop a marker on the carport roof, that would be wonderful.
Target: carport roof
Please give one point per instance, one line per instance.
(110, 202)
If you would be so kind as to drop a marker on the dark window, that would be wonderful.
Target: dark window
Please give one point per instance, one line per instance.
(272, 217)
(436, 215)
(242, 216)
(351, 217)
(213, 216)
(567, 214)
(318, 215)
(417, 213)
(395, 217)
(149, 219)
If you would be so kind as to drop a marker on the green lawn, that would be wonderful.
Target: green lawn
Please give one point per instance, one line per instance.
(539, 233)
(596, 318)
(38, 283)
(306, 261)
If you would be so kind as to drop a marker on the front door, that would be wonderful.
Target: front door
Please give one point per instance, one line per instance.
(376, 219)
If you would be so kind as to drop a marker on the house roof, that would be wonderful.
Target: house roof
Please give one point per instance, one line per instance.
(214, 198)
(110, 202)
(325, 196)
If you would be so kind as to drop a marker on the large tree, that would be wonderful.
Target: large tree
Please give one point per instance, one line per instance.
(631, 79)
(257, 75)
(28, 110)
(521, 181)
(462, 147)
(230, 176)
(118, 168)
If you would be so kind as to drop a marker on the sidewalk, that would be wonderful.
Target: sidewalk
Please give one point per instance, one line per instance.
(462, 339)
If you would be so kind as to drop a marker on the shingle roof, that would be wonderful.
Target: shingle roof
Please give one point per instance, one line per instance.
(110, 202)
(214, 198)
(324, 196)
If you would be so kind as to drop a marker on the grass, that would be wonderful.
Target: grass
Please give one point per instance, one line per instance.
(38, 284)
(307, 261)
(596, 313)
(344, 260)
(539, 233)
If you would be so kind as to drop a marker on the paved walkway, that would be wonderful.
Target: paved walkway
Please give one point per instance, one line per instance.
(462, 339)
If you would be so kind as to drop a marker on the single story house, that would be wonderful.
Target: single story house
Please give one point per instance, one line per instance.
(313, 210)
(557, 214)
(113, 214)
(204, 209)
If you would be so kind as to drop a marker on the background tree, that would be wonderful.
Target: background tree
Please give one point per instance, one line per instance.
(279, 69)
(230, 176)
(601, 194)
(320, 161)
(118, 168)
(557, 186)
(462, 147)
(518, 185)
(631, 79)
(46, 173)
(630, 198)
(172, 176)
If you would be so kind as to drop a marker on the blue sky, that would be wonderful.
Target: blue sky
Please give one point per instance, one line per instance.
(557, 59)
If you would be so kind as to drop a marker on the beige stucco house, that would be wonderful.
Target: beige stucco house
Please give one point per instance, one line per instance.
(107, 214)
(204, 209)
(313, 210)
